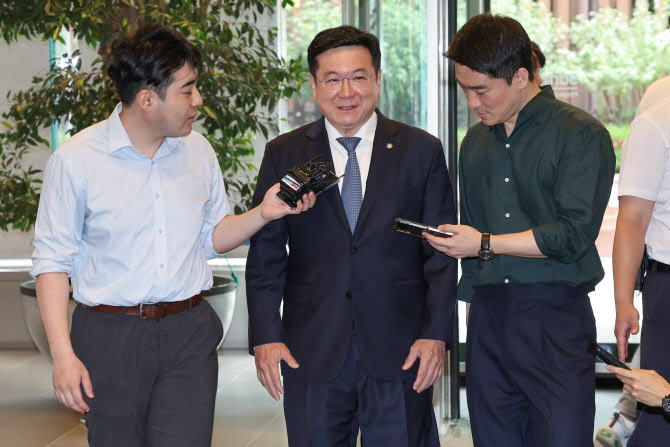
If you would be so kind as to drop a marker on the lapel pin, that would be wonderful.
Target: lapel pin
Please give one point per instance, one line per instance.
(389, 146)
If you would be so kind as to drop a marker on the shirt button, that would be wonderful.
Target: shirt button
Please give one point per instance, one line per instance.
(157, 196)
(507, 145)
(506, 180)
(160, 231)
(506, 214)
(162, 266)
(506, 281)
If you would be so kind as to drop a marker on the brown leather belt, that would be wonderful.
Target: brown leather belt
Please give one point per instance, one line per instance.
(149, 310)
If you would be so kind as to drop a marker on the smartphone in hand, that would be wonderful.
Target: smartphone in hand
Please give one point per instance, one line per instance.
(417, 229)
(605, 356)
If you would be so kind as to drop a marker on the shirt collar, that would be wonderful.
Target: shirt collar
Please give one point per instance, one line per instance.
(366, 132)
(119, 139)
(539, 108)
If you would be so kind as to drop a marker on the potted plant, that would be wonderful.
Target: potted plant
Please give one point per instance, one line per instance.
(241, 82)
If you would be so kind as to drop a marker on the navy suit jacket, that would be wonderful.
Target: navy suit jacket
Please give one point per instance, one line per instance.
(394, 288)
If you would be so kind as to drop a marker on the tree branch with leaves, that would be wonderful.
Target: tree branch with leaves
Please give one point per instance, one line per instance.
(242, 81)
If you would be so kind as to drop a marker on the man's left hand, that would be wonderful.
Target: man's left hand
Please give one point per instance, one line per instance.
(646, 386)
(431, 362)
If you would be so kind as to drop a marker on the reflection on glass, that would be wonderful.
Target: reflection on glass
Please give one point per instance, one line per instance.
(303, 22)
(403, 38)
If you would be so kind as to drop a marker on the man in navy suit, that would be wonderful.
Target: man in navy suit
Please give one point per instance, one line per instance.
(367, 312)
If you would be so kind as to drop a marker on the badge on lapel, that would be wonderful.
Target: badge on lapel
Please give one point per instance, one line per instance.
(389, 145)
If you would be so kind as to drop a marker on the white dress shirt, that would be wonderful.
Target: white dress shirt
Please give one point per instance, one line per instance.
(645, 173)
(363, 151)
(128, 229)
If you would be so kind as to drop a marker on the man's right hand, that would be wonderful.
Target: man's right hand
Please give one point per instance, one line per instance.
(627, 322)
(69, 376)
(268, 357)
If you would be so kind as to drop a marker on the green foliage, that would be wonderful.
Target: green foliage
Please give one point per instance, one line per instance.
(242, 81)
(616, 57)
(542, 27)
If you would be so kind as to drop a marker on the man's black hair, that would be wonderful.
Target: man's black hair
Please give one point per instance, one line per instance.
(496, 46)
(148, 59)
(342, 36)
(538, 54)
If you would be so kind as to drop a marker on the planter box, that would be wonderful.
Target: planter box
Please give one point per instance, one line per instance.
(221, 297)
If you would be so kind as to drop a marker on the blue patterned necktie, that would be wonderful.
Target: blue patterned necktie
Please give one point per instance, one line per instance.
(352, 191)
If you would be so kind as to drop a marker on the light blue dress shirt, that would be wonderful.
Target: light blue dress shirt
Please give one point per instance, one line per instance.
(128, 229)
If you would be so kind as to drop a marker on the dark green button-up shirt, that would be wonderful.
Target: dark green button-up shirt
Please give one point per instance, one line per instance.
(553, 175)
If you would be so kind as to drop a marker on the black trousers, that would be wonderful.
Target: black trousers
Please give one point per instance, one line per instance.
(653, 427)
(329, 414)
(154, 380)
(530, 380)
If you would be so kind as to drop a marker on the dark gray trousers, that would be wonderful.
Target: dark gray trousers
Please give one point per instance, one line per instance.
(154, 380)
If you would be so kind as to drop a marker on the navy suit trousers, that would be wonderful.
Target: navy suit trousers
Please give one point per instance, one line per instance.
(530, 380)
(329, 414)
(653, 427)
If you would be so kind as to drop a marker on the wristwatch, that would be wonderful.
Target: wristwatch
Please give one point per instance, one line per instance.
(486, 254)
(666, 405)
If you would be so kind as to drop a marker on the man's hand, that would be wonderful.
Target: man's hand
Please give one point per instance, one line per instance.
(268, 357)
(627, 322)
(465, 242)
(273, 207)
(431, 362)
(69, 375)
(646, 386)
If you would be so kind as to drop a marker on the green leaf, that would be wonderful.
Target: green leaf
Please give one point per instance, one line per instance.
(209, 112)
(7, 125)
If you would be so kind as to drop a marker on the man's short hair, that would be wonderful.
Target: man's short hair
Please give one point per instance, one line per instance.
(537, 52)
(148, 59)
(342, 36)
(496, 46)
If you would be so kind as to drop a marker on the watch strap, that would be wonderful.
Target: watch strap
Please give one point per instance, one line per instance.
(666, 405)
(486, 241)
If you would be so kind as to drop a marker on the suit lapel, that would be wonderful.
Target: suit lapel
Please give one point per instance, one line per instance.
(318, 144)
(385, 134)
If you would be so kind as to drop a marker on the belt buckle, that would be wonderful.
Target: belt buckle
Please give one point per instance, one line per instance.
(149, 305)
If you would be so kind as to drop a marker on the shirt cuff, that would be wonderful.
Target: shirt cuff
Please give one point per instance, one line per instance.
(638, 192)
(49, 266)
(208, 245)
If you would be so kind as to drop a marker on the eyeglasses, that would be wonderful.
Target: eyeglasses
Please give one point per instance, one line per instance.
(334, 84)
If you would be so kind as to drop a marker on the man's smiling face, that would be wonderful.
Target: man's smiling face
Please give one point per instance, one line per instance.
(349, 107)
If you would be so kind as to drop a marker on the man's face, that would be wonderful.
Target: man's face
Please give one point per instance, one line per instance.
(176, 114)
(350, 106)
(494, 100)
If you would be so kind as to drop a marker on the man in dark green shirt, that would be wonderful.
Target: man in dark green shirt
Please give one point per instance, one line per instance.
(535, 179)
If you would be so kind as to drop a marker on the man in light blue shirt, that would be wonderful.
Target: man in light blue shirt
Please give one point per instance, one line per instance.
(131, 209)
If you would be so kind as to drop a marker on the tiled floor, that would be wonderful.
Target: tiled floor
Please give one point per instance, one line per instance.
(30, 415)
